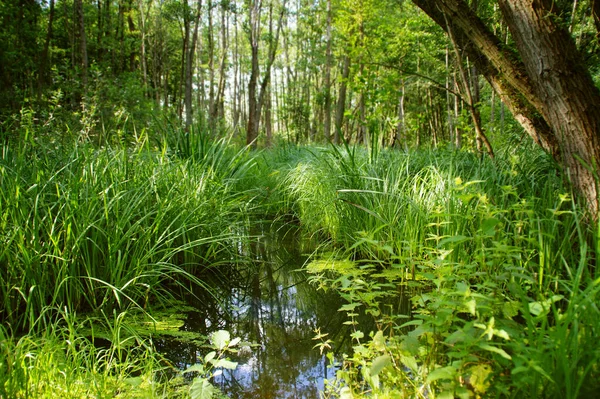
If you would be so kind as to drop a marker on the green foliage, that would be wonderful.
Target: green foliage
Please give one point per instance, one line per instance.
(213, 365)
(91, 228)
(492, 255)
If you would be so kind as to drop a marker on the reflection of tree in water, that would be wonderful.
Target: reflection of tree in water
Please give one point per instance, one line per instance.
(270, 304)
(278, 310)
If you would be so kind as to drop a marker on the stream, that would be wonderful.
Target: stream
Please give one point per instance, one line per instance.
(272, 305)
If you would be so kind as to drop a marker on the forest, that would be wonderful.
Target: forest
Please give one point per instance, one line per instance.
(299, 198)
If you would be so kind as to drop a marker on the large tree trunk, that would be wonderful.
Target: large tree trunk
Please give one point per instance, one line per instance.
(548, 89)
(566, 90)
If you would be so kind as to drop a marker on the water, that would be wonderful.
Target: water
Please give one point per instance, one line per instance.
(271, 304)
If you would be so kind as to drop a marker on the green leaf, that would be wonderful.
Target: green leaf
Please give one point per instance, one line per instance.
(226, 364)
(488, 227)
(220, 339)
(357, 335)
(442, 373)
(410, 362)
(454, 239)
(495, 349)
(134, 381)
(479, 378)
(210, 356)
(379, 341)
(346, 393)
(379, 364)
(202, 389)
(349, 306)
(198, 368)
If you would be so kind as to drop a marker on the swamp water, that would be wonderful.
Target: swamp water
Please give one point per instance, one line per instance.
(271, 304)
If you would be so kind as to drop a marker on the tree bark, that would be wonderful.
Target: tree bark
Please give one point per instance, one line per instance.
(341, 103)
(564, 86)
(189, 52)
(327, 78)
(548, 89)
(82, 44)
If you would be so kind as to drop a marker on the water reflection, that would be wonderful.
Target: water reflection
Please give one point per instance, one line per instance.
(272, 305)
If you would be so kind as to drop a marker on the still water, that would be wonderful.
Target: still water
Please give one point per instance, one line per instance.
(270, 304)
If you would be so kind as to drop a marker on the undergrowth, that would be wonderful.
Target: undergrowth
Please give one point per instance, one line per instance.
(495, 255)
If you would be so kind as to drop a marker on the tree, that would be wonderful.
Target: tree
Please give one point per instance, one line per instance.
(546, 85)
(256, 94)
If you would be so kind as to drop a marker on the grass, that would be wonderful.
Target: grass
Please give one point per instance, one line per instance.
(498, 259)
(86, 229)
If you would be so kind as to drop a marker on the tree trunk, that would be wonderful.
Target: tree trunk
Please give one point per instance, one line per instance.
(189, 52)
(341, 103)
(82, 44)
(43, 74)
(566, 90)
(327, 78)
(254, 32)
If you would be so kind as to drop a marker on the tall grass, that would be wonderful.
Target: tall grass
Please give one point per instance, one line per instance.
(87, 229)
(93, 228)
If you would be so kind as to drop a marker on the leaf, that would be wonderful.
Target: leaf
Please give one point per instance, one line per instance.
(226, 364)
(220, 339)
(495, 349)
(210, 356)
(471, 306)
(346, 393)
(537, 308)
(234, 342)
(202, 389)
(134, 381)
(479, 378)
(357, 335)
(488, 227)
(349, 306)
(198, 368)
(379, 341)
(442, 373)
(410, 362)
(379, 364)
(454, 239)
